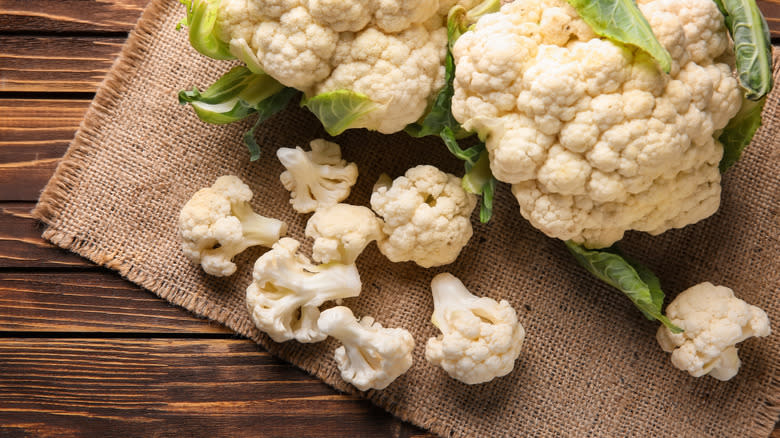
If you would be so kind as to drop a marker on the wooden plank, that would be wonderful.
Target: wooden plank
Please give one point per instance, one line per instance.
(21, 244)
(91, 301)
(70, 15)
(175, 387)
(55, 64)
(34, 134)
(771, 11)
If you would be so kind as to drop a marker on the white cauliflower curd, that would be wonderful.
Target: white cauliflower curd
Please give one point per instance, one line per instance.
(316, 178)
(714, 321)
(341, 232)
(594, 138)
(426, 216)
(372, 356)
(286, 291)
(481, 338)
(218, 223)
(390, 51)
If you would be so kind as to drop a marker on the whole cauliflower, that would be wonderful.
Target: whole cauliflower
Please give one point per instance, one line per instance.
(316, 178)
(372, 356)
(341, 232)
(218, 223)
(286, 291)
(714, 321)
(391, 51)
(593, 137)
(480, 339)
(426, 214)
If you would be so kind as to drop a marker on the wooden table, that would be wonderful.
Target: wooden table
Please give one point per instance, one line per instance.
(84, 352)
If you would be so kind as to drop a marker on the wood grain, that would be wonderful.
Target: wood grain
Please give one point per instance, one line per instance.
(21, 244)
(55, 64)
(34, 135)
(171, 387)
(88, 302)
(69, 15)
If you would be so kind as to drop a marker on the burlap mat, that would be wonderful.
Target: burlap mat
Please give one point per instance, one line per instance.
(590, 364)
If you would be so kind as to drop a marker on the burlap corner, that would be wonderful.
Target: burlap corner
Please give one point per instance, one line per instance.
(590, 365)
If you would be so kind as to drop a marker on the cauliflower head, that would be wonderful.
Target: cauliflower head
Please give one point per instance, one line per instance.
(714, 321)
(316, 178)
(594, 138)
(426, 216)
(372, 356)
(480, 339)
(341, 232)
(286, 291)
(218, 223)
(389, 51)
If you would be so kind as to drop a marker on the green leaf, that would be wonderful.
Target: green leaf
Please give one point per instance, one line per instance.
(739, 131)
(639, 284)
(623, 22)
(480, 180)
(202, 21)
(265, 109)
(340, 110)
(232, 97)
(752, 45)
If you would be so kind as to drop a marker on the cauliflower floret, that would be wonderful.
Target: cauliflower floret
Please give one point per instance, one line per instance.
(317, 178)
(218, 223)
(594, 138)
(286, 291)
(341, 232)
(391, 51)
(480, 339)
(714, 321)
(426, 214)
(372, 356)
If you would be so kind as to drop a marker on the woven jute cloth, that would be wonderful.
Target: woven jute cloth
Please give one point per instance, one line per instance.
(590, 365)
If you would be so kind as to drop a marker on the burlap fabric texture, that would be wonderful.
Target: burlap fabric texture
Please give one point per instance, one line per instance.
(590, 365)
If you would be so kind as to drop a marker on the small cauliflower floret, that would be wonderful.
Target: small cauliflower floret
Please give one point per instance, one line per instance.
(286, 291)
(218, 223)
(372, 356)
(317, 178)
(341, 232)
(426, 214)
(595, 139)
(480, 339)
(714, 321)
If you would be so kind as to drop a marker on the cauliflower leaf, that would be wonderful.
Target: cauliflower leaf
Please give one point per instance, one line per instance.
(622, 21)
(630, 277)
(201, 20)
(340, 110)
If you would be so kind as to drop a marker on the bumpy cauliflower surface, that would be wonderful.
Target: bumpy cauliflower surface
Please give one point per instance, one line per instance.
(286, 291)
(341, 232)
(389, 50)
(714, 321)
(372, 356)
(594, 138)
(218, 223)
(426, 214)
(480, 339)
(316, 178)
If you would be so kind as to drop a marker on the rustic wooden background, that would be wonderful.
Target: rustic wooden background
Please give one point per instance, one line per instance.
(84, 352)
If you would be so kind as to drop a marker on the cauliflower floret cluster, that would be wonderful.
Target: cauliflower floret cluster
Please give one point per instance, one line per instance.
(218, 223)
(593, 137)
(372, 356)
(286, 291)
(316, 178)
(390, 51)
(714, 321)
(481, 338)
(426, 216)
(341, 232)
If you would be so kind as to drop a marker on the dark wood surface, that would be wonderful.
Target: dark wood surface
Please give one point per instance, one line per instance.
(86, 353)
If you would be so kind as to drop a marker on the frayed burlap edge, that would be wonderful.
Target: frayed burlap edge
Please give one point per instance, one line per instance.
(55, 198)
